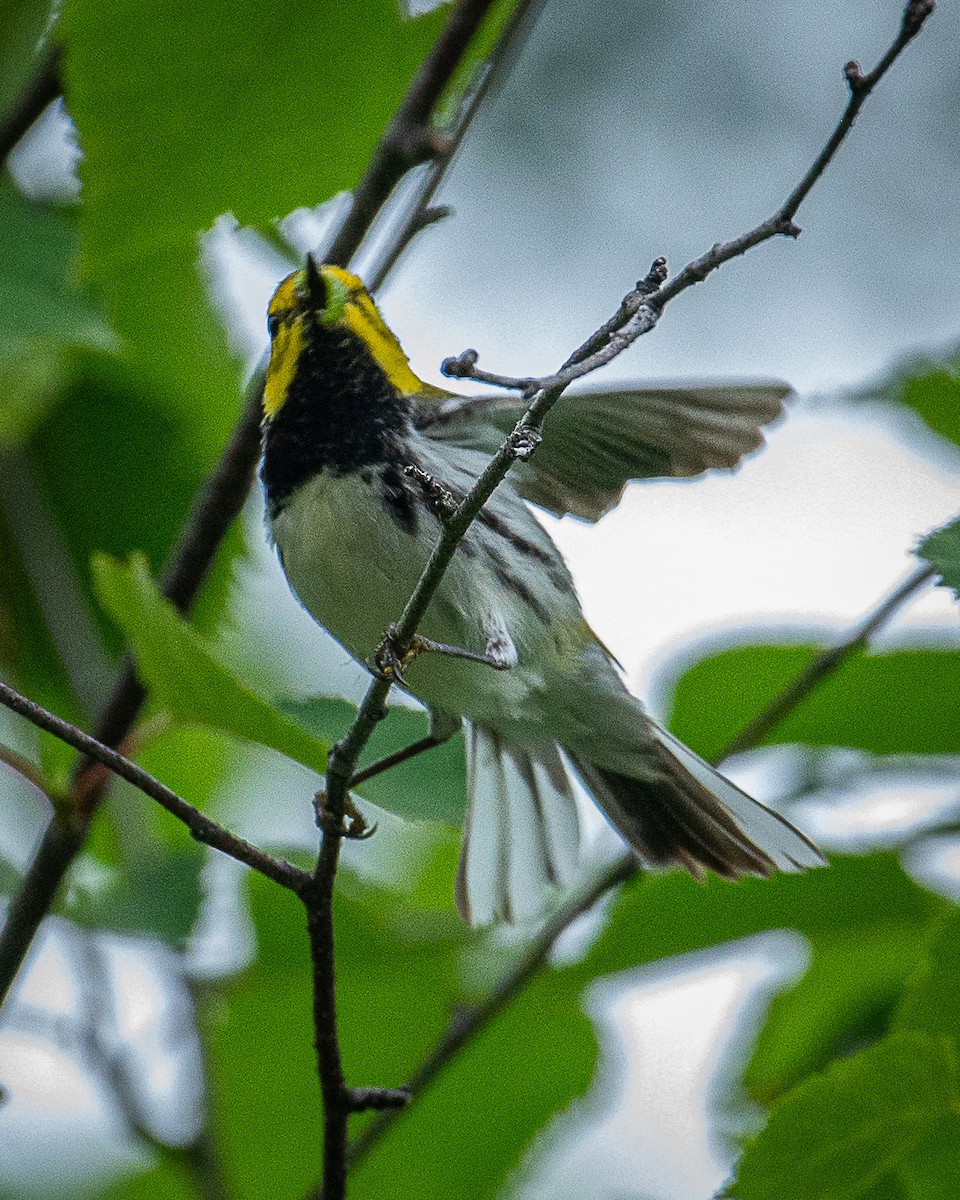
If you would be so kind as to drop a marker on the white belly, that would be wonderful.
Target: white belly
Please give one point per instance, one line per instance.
(354, 568)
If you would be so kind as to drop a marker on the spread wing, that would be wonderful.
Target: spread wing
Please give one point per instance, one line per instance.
(594, 443)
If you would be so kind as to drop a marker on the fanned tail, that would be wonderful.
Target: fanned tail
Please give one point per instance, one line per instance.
(683, 811)
(522, 833)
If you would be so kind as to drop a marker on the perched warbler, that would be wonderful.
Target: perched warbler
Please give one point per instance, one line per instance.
(353, 443)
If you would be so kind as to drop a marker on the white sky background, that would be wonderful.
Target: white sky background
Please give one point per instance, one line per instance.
(631, 130)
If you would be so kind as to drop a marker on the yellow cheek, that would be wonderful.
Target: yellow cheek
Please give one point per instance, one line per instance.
(284, 355)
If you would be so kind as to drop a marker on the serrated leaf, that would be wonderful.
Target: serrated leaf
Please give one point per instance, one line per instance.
(941, 549)
(839, 1133)
(863, 705)
(183, 675)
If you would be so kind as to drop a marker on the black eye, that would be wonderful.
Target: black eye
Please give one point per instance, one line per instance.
(273, 324)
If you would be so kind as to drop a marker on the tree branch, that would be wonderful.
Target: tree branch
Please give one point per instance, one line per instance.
(201, 827)
(217, 504)
(637, 314)
(642, 308)
(466, 1025)
(827, 664)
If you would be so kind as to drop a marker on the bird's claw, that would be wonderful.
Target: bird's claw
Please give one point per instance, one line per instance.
(389, 663)
(351, 824)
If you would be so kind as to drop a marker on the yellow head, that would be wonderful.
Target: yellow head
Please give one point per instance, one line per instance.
(327, 297)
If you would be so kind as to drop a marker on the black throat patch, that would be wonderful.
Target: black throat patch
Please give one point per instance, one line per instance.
(341, 414)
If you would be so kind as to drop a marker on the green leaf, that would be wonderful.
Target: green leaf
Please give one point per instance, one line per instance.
(854, 976)
(941, 549)
(432, 786)
(660, 915)
(929, 1003)
(396, 987)
(864, 705)
(935, 398)
(42, 312)
(159, 892)
(183, 675)
(187, 113)
(161, 1181)
(841, 1132)
(932, 1170)
(22, 24)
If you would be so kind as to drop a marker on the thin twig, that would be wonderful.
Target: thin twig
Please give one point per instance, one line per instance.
(647, 308)
(827, 663)
(217, 504)
(39, 91)
(430, 742)
(421, 213)
(409, 139)
(201, 827)
(472, 1021)
(641, 309)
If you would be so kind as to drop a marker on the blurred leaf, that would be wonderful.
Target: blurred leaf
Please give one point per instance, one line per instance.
(159, 893)
(941, 549)
(184, 114)
(932, 1170)
(935, 397)
(432, 786)
(660, 915)
(929, 1003)
(162, 1181)
(42, 312)
(151, 879)
(22, 24)
(840, 1132)
(28, 656)
(396, 988)
(864, 705)
(471, 1130)
(180, 671)
(853, 975)
(134, 471)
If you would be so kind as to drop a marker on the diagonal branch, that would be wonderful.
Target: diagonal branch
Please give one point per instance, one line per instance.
(641, 309)
(637, 314)
(473, 1021)
(217, 504)
(201, 827)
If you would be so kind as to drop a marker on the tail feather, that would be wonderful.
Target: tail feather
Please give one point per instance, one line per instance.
(522, 831)
(683, 811)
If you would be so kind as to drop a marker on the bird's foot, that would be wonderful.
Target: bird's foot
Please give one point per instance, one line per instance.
(391, 661)
(352, 824)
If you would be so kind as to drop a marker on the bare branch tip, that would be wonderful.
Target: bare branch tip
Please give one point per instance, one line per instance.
(853, 74)
(914, 15)
(654, 278)
(461, 366)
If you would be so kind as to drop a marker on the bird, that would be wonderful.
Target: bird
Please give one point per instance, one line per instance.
(359, 455)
